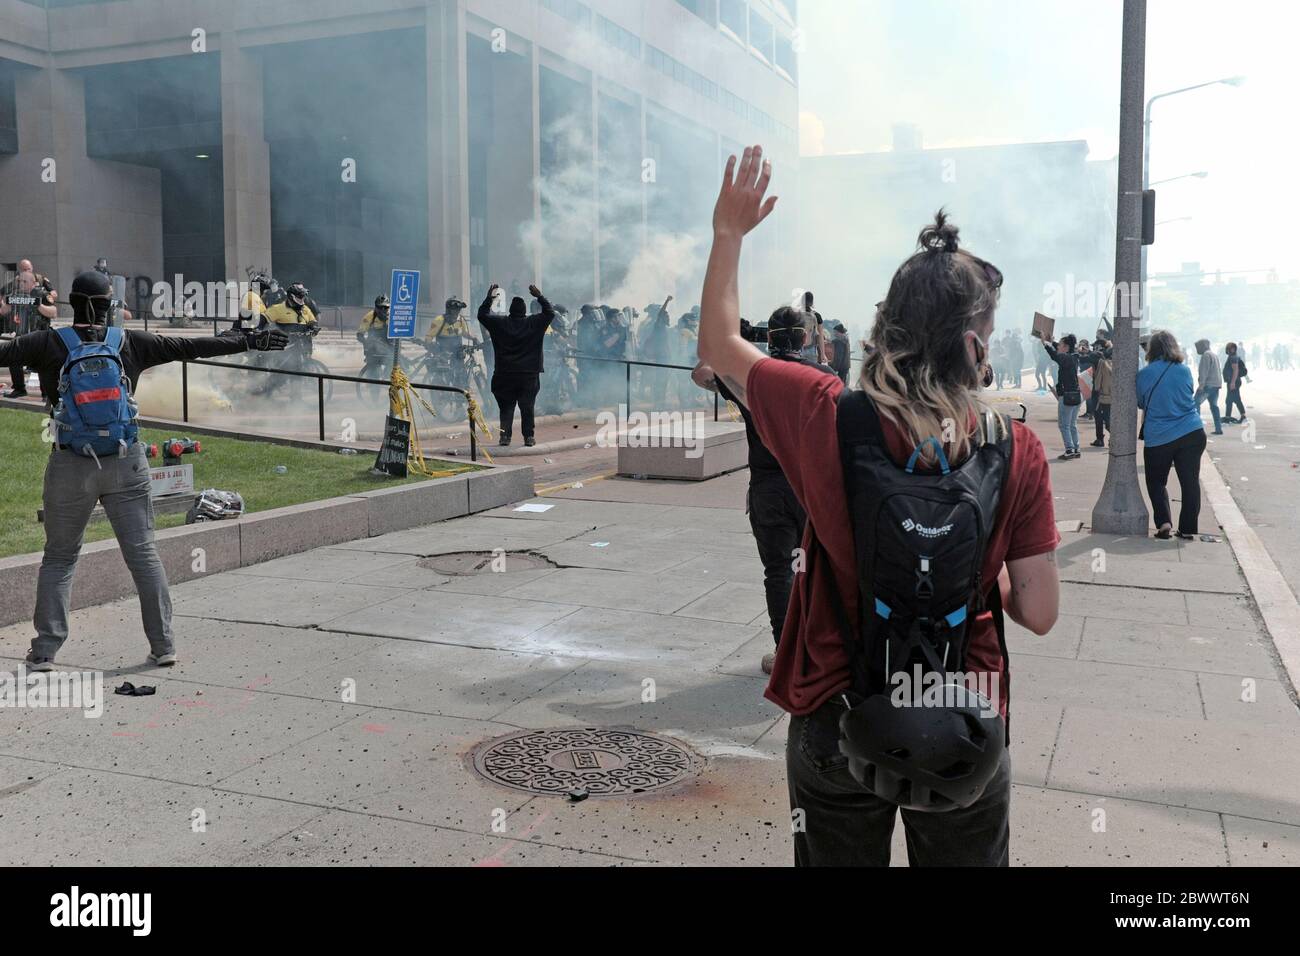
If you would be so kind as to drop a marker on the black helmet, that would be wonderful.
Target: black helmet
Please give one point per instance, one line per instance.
(453, 304)
(91, 296)
(297, 291)
(214, 505)
(786, 332)
(382, 304)
(930, 758)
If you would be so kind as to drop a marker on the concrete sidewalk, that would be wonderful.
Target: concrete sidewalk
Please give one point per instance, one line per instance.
(641, 608)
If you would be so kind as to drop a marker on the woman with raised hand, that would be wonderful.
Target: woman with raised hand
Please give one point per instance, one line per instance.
(923, 377)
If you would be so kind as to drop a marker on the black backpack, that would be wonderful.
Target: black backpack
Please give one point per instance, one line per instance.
(920, 541)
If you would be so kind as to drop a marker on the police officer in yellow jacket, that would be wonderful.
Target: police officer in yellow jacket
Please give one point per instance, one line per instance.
(296, 309)
(448, 328)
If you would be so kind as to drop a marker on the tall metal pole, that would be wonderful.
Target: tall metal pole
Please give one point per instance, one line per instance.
(1120, 509)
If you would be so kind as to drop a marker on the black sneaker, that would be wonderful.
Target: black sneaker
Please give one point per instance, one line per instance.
(1097, 444)
(530, 441)
(504, 442)
(1065, 456)
(16, 393)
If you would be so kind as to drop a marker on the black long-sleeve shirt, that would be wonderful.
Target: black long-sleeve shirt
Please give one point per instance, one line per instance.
(1067, 369)
(517, 340)
(45, 352)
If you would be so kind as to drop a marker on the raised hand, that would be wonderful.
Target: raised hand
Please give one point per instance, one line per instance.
(536, 292)
(741, 205)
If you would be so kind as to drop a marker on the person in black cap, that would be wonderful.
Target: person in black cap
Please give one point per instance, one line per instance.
(115, 474)
(517, 341)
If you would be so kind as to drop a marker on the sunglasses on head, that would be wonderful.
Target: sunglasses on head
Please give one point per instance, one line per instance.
(991, 272)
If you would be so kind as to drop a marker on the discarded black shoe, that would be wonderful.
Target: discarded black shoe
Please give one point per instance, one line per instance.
(130, 690)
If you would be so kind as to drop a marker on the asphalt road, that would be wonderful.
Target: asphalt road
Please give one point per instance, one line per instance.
(1262, 467)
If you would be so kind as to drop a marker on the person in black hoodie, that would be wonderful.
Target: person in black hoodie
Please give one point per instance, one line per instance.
(775, 515)
(517, 341)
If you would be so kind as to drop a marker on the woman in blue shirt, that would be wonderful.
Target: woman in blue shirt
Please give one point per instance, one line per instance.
(1172, 433)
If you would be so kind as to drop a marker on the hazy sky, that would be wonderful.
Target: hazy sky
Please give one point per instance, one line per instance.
(971, 72)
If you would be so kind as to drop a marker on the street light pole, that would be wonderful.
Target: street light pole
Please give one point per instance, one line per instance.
(1146, 153)
(1120, 509)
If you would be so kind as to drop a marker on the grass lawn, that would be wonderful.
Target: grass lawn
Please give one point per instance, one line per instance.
(229, 464)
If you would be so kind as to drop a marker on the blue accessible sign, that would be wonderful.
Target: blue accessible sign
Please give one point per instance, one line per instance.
(404, 294)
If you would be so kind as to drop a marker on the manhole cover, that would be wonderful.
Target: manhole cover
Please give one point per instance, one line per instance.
(604, 763)
(484, 562)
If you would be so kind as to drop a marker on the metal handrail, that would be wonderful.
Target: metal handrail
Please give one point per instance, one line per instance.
(630, 362)
(321, 378)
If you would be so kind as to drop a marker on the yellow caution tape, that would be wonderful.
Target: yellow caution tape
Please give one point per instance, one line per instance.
(401, 404)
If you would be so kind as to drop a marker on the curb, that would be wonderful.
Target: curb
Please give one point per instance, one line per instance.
(1273, 596)
(198, 550)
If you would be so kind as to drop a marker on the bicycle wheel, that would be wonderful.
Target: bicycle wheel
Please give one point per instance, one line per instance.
(372, 393)
(308, 387)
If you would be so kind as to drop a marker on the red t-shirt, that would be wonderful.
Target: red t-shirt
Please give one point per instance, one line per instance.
(794, 409)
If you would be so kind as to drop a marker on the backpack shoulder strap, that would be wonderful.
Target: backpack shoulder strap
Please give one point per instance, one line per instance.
(70, 338)
(856, 419)
(114, 338)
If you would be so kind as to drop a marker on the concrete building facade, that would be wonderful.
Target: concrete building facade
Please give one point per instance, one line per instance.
(572, 142)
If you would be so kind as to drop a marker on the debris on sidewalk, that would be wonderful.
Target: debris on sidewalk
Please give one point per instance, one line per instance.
(127, 689)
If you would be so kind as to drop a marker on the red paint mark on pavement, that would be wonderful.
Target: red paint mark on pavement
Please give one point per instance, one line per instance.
(495, 858)
(375, 728)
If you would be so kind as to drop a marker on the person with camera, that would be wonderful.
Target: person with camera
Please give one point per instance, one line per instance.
(27, 306)
(917, 428)
(97, 457)
(775, 515)
(517, 340)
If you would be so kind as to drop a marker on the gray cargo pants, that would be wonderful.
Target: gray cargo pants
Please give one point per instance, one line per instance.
(74, 484)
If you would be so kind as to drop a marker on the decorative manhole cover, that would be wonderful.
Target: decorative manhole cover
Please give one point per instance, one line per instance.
(484, 562)
(603, 763)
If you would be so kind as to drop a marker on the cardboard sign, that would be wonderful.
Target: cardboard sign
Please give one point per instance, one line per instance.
(396, 448)
(1044, 326)
(171, 480)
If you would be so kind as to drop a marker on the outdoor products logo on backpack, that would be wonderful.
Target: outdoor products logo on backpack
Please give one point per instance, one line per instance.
(95, 414)
(920, 541)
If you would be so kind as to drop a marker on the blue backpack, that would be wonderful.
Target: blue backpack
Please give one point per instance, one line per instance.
(95, 414)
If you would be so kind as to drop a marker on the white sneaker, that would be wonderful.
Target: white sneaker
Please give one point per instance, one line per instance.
(39, 665)
(162, 660)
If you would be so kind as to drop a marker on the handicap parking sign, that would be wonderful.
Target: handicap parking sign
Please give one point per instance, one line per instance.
(403, 295)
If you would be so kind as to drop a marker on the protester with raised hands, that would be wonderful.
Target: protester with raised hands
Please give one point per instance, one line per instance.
(920, 388)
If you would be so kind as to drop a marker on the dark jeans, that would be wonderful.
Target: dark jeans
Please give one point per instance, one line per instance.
(778, 521)
(19, 379)
(1234, 398)
(843, 825)
(516, 388)
(1184, 454)
(1102, 420)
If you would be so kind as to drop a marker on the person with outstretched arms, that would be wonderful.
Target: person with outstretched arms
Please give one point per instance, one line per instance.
(96, 455)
